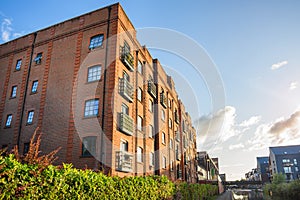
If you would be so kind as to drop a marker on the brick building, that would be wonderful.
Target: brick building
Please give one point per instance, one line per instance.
(93, 90)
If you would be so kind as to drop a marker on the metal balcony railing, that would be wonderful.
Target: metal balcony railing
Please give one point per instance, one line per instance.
(125, 123)
(126, 89)
(124, 161)
(163, 100)
(127, 59)
(152, 88)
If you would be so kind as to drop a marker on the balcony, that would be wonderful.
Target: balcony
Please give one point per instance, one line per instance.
(127, 59)
(126, 89)
(124, 161)
(125, 124)
(163, 100)
(152, 88)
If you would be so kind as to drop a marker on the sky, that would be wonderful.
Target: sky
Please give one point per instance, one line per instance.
(252, 50)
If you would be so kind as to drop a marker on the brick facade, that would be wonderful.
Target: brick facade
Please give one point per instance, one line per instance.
(126, 134)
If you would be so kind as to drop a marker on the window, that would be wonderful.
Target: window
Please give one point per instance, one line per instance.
(34, 86)
(89, 146)
(169, 103)
(151, 105)
(151, 159)
(96, 41)
(26, 148)
(13, 92)
(285, 160)
(140, 67)
(171, 143)
(124, 146)
(124, 109)
(151, 131)
(91, 108)
(287, 170)
(163, 138)
(139, 154)
(139, 94)
(163, 116)
(171, 165)
(94, 73)
(18, 65)
(296, 169)
(295, 161)
(139, 123)
(126, 48)
(170, 123)
(8, 121)
(164, 162)
(30, 117)
(38, 58)
(126, 76)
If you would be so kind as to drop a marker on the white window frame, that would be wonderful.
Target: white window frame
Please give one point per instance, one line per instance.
(8, 120)
(163, 138)
(91, 108)
(139, 123)
(94, 73)
(139, 154)
(139, 94)
(30, 116)
(14, 90)
(163, 115)
(89, 146)
(96, 41)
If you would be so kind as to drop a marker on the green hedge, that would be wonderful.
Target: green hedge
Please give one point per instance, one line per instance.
(196, 191)
(25, 181)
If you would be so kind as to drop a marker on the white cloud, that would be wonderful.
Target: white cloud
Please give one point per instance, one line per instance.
(294, 85)
(252, 121)
(280, 132)
(6, 29)
(278, 65)
(219, 127)
(236, 146)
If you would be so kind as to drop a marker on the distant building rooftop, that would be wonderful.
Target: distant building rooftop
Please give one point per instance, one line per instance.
(281, 150)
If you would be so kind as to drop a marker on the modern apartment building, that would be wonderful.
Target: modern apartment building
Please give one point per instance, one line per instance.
(207, 167)
(285, 160)
(263, 169)
(93, 90)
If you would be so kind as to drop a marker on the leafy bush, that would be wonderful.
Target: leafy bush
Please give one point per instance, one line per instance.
(27, 181)
(279, 189)
(195, 191)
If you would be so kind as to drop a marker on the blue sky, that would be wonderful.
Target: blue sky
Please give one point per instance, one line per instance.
(255, 46)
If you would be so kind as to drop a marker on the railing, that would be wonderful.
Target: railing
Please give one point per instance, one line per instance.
(127, 59)
(124, 161)
(126, 89)
(152, 88)
(125, 123)
(163, 100)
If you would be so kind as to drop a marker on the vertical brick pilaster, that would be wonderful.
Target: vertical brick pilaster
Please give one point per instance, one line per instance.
(71, 129)
(5, 88)
(45, 81)
(22, 93)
